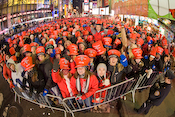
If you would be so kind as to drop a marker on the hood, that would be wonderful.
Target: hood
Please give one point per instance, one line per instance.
(10, 61)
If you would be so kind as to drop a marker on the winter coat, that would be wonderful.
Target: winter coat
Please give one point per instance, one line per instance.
(118, 73)
(163, 90)
(99, 35)
(92, 88)
(45, 67)
(37, 85)
(61, 82)
(17, 74)
(136, 69)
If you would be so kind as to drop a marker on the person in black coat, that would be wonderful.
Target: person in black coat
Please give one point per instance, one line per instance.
(158, 93)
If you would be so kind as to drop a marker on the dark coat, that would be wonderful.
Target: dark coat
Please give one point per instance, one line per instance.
(45, 67)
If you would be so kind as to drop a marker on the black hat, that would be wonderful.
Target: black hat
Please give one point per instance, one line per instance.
(169, 74)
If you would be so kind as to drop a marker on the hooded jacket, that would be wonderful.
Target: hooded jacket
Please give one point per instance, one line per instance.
(17, 74)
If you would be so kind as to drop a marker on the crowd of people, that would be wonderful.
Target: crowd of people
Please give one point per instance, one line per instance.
(78, 56)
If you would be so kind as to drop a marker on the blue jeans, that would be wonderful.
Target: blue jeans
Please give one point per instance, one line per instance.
(87, 101)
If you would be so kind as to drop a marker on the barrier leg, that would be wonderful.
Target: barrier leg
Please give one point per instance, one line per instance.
(15, 97)
(133, 96)
(19, 99)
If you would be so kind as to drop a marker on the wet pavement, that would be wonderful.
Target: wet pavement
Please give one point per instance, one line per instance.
(28, 109)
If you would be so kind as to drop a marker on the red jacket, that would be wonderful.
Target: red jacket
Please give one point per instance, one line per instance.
(6, 72)
(93, 86)
(61, 82)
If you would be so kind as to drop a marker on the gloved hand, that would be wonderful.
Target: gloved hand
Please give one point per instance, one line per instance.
(67, 57)
(53, 53)
(56, 65)
(123, 60)
(78, 97)
(146, 56)
(45, 92)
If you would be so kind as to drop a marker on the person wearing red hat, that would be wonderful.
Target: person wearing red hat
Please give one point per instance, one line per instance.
(61, 74)
(117, 44)
(83, 83)
(27, 50)
(107, 42)
(117, 69)
(101, 53)
(16, 73)
(34, 77)
(73, 50)
(136, 63)
(45, 66)
(91, 53)
(90, 41)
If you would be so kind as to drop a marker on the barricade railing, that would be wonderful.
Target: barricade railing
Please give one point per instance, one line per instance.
(105, 95)
(143, 82)
(43, 101)
(100, 97)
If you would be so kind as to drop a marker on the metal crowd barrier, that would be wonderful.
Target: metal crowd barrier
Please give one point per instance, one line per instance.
(106, 95)
(143, 82)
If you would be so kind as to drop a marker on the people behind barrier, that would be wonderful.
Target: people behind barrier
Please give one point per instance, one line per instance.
(79, 56)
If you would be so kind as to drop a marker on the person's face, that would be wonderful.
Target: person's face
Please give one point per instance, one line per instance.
(57, 56)
(41, 57)
(49, 51)
(91, 60)
(151, 58)
(168, 81)
(81, 70)
(32, 38)
(28, 54)
(166, 59)
(12, 67)
(33, 50)
(98, 27)
(143, 36)
(113, 61)
(81, 47)
(73, 57)
(45, 35)
(2, 64)
(7, 57)
(101, 72)
(43, 41)
(137, 60)
(65, 71)
(64, 38)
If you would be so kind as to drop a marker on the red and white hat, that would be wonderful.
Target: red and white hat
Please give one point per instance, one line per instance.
(65, 33)
(82, 60)
(64, 64)
(34, 44)
(73, 49)
(98, 46)
(90, 52)
(159, 50)
(137, 52)
(117, 42)
(27, 63)
(27, 48)
(107, 41)
(114, 53)
(140, 42)
(153, 52)
(40, 50)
